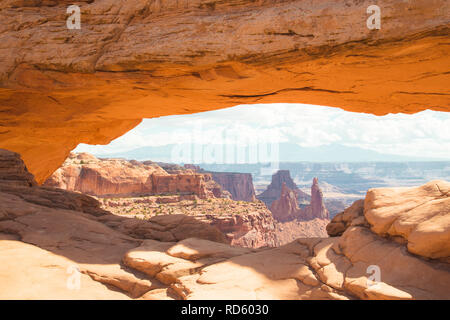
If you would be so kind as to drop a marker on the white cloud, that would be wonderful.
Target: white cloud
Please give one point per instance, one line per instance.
(425, 134)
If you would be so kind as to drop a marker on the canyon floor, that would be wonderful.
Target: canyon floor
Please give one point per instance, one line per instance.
(48, 235)
(241, 221)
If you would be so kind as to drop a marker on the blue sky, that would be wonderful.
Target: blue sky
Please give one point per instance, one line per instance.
(422, 134)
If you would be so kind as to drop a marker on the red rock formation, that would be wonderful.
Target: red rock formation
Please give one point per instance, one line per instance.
(318, 209)
(87, 174)
(251, 230)
(214, 187)
(274, 189)
(13, 170)
(183, 183)
(286, 207)
(240, 185)
(17, 181)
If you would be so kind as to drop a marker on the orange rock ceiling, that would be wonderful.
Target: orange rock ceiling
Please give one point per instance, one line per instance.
(140, 59)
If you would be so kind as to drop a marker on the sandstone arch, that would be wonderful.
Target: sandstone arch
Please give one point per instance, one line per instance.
(135, 59)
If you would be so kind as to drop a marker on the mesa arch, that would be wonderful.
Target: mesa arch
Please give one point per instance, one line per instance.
(135, 59)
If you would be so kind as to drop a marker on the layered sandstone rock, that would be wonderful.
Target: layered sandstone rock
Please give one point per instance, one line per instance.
(286, 208)
(352, 216)
(275, 188)
(239, 185)
(254, 229)
(416, 216)
(118, 177)
(166, 228)
(214, 188)
(420, 216)
(13, 171)
(87, 174)
(180, 183)
(16, 180)
(136, 59)
(335, 268)
(49, 240)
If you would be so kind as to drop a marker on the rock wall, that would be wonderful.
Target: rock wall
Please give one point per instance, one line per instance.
(252, 230)
(180, 183)
(239, 185)
(107, 177)
(13, 171)
(136, 59)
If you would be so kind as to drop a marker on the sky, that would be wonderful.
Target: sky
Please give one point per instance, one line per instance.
(424, 134)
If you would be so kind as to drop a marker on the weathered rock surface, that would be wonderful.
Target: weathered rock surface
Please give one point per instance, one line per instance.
(87, 174)
(289, 231)
(38, 243)
(28, 272)
(353, 215)
(254, 229)
(13, 171)
(420, 216)
(165, 228)
(16, 180)
(136, 59)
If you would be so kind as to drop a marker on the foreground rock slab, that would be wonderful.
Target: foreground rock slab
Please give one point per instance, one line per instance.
(28, 272)
(420, 216)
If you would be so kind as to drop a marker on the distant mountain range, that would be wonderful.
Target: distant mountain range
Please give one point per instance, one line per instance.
(287, 152)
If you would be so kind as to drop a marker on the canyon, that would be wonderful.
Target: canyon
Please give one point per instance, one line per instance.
(146, 189)
(240, 185)
(179, 257)
(129, 62)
